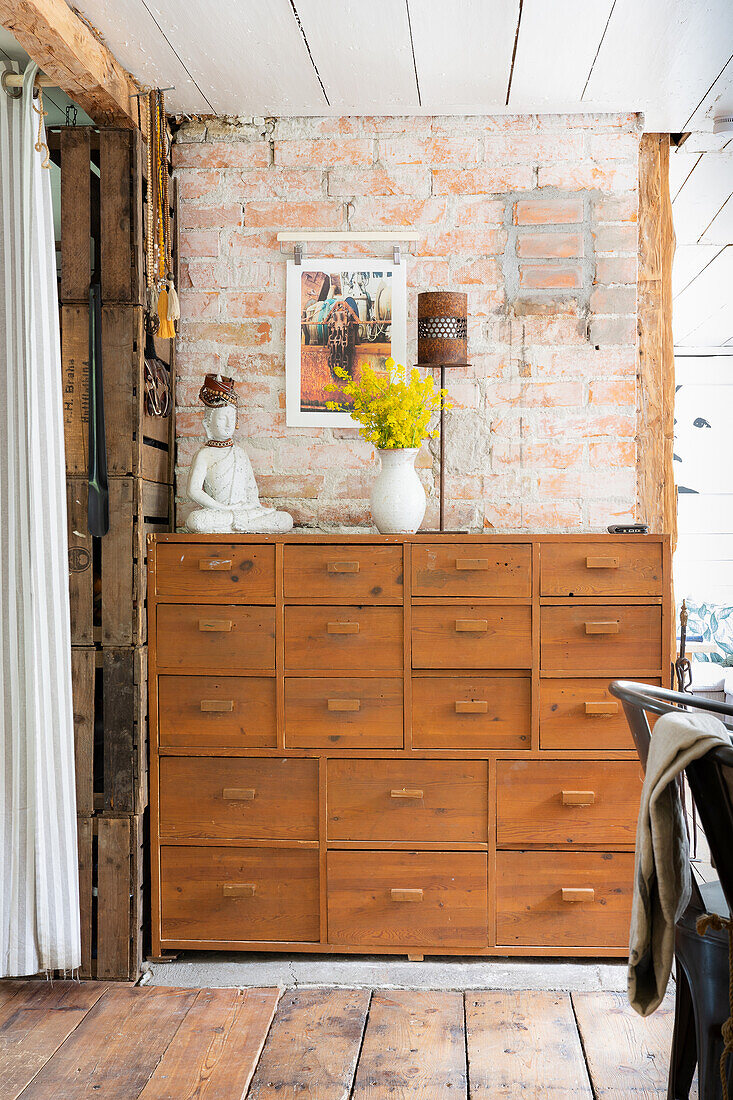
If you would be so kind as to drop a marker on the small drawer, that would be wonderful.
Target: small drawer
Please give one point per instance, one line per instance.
(211, 637)
(612, 641)
(346, 574)
(236, 799)
(471, 569)
(407, 899)
(330, 712)
(470, 712)
(349, 639)
(222, 711)
(231, 571)
(563, 899)
(210, 893)
(582, 714)
(601, 569)
(471, 636)
(548, 803)
(416, 801)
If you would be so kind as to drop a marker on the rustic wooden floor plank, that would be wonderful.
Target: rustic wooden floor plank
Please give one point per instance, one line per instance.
(213, 1054)
(10, 987)
(312, 1047)
(627, 1055)
(524, 1044)
(116, 1047)
(414, 1046)
(35, 1023)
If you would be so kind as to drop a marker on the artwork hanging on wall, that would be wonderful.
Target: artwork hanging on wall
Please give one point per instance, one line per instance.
(339, 313)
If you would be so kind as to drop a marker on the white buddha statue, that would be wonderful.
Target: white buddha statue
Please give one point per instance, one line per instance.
(221, 480)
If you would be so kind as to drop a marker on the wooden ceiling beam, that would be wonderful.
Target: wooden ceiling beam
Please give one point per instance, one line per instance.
(66, 50)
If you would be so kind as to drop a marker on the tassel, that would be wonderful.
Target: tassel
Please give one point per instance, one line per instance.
(167, 330)
(174, 307)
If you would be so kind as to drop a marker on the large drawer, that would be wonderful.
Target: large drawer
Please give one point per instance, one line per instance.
(563, 899)
(222, 711)
(618, 640)
(601, 569)
(344, 574)
(473, 569)
(548, 803)
(343, 639)
(407, 899)
(238, 799)
(236, 571)
(239, 894)
(350, 712)
(461, 635)
(212, 637)
(470, 712)
(416, 801)
(580, 714)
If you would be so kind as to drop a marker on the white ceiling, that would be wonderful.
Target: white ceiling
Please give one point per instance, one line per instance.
(671, 59)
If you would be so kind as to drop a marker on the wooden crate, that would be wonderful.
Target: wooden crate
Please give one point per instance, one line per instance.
(111, 859)
(107, 576)
(110, 729)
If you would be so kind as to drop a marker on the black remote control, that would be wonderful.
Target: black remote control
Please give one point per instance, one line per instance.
(628, 529)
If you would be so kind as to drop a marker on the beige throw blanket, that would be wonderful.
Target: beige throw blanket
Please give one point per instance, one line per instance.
(662, 886)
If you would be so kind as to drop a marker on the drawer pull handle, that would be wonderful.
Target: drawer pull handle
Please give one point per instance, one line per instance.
(214, 625)
(473, 626)
(601, 708)
(343, 567)
(471, 706)
(578, 798)
(217, 706)
(239, 889)
(601, 563)
(602, 628)
(405, 792)
(570, 893)
(214, 565)
(343, 628)
(344, 704)
(238, 794)
(472, 565)
(406, 895)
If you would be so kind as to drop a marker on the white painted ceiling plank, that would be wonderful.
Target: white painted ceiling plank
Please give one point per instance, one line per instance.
(719, 100)
(702, 299)
(720, 230)
(661, 58)
(463, 52)
(689, 261)
(713, 330)
(362, 52)
(555, 51)
(702, 196)
(681, 163)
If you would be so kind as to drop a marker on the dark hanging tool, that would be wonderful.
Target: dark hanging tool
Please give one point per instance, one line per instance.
(682, 667)
(98, 500)
(158, 400)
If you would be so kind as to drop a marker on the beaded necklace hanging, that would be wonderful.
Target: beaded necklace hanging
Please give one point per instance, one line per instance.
(164, 305)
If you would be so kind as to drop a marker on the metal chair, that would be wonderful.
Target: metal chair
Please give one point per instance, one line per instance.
(701, 993)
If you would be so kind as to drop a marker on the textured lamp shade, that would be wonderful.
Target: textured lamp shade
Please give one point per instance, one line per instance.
(442, 329)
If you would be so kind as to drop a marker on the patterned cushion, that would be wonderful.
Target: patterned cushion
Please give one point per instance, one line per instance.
(710, 622)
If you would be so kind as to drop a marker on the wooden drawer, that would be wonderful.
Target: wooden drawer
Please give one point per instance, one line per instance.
(417, 801)
(471, 569)
(470, 712)
(210, 893)
(345, 574)
(621, 640)
(430, 899)
(548, 803)
(601, 569)
(238, 799)
(471, 636)
(231, 571)
(564, 899)
(582, 714)
(330, 712)
(344, 639)
(222, 711)
(211, 637)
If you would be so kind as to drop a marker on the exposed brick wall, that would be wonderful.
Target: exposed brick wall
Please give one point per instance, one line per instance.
(534, 217)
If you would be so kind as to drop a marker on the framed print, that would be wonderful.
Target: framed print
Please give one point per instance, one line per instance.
(339, 313)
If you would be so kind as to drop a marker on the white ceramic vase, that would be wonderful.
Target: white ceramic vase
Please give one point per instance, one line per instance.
(398, 498)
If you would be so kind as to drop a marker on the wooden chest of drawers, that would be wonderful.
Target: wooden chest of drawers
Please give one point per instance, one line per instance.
(398, 744)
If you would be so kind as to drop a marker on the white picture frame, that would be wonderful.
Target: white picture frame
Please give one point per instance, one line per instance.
(365, 275)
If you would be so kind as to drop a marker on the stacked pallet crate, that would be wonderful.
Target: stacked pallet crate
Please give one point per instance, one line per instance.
(102, 218)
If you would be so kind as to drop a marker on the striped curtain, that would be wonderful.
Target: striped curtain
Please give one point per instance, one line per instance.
(39, 894)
